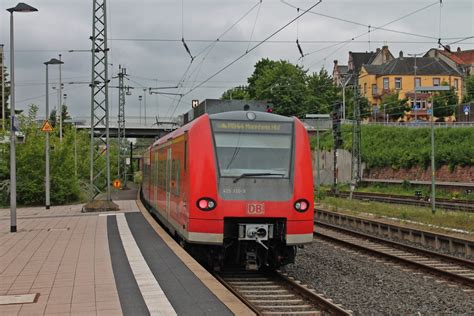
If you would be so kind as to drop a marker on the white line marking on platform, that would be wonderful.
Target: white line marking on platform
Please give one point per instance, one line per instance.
(18, 299)
(155, 298)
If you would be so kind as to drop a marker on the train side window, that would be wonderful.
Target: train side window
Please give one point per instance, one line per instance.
(175, 176)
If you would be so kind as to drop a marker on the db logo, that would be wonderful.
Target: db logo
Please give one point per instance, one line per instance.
(255, 209)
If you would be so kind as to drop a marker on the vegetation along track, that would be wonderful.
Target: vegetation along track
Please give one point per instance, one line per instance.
(272, 293)
(447, 204)
(453, 268)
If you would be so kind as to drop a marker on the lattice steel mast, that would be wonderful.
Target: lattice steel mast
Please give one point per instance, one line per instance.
(121, 126)
(99, 149)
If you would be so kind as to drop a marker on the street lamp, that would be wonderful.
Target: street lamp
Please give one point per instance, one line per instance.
(20, 7)
(344, 83)
(140, 116)
(53, 61)
(144, 103)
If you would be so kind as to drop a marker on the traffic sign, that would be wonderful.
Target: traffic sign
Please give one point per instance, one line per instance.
(117, 184)
(466, 109)
(46, 127)
(195, 103)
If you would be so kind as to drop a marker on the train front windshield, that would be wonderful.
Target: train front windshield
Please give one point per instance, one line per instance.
(250, 149)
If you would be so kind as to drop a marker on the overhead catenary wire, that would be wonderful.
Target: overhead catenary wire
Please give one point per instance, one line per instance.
(372, 29)
(300, 50)
(208, 49)
(253, 48)
(382, 27)
(254, 24)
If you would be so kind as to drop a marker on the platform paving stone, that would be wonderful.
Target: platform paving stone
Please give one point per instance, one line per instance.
(62, 254)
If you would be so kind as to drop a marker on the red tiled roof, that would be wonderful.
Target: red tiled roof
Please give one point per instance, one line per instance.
(466, 56)
(452, 56)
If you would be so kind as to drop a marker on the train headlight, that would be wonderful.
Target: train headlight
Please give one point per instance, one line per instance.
(206, 204)
(301, 205)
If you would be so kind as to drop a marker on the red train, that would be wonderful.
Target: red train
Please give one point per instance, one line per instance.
(234, 187)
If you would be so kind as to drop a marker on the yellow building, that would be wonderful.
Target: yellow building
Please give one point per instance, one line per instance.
(398, 76)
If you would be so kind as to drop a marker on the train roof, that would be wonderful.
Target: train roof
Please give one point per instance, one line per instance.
(250, 115)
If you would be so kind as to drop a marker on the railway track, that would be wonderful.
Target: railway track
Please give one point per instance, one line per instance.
(452, 205)
(272, 293)
(453, 268)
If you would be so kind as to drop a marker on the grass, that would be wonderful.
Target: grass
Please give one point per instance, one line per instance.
(456, 220)
(409, 190)
(406, 189)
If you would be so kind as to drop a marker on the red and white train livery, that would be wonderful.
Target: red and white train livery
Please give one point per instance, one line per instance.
(234, 187)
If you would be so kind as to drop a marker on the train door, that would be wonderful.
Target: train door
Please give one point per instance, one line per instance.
(168, 182)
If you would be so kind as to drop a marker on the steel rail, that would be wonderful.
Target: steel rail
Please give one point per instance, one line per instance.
(429, 256)
(452, 205)
(268, 286)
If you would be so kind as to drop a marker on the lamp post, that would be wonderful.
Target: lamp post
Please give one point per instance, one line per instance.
(344, 83)
(140, 116)
(60, 110)
(144, 104)
(53, 61)
(3, 86)
(20, 7)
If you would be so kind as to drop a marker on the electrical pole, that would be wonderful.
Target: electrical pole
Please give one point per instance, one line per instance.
(344, 84)
(356, 145)
(433, 171)
(99, 145)
(336, 128)
(144, 103)
(121, 125)
(60, 103)
(415, 108)
(2, 73)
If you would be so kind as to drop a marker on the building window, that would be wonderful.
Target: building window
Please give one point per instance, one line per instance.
(417, 82)
(436, 82)
(456, 84)
(398, 83)
(374, 89)
(386, 84)
(365, 88)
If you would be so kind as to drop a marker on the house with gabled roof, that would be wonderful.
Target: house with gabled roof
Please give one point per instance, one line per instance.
(355, 62)
(398, 76)
(462, 60)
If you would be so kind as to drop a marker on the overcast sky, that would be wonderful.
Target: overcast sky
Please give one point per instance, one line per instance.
(136, 28)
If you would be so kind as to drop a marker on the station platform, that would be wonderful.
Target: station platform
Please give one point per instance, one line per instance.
(65, 262)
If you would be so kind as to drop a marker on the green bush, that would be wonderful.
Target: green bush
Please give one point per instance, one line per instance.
(404, 147)
(30, 164)
(137, 177)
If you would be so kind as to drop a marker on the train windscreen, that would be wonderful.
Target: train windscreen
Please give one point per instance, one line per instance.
(246, 149)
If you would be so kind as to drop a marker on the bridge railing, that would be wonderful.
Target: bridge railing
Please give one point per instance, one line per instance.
(132, 121)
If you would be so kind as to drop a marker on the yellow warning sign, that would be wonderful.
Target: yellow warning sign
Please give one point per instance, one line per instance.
(47, 127)
(117, 184)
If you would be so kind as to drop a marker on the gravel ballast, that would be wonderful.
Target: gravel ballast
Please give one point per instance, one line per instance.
(369, 287)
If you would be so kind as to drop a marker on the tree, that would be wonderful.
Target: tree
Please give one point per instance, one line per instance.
(237, 93)
(322, 93)
(281, 83)
(53, 116)
(394, 107)
(469, 89)
(445, 102)
(7, 94)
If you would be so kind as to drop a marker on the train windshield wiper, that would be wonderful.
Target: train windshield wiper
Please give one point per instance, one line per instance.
(257, 174)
